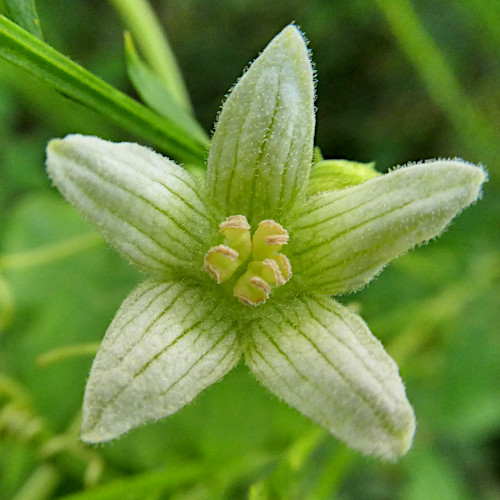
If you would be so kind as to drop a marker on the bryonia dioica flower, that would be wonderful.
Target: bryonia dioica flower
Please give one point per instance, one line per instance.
(244, 264)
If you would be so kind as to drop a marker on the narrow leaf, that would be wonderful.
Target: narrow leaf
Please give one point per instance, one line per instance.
(41, 60)
(140, 19)
(23, 13)
(154, 93)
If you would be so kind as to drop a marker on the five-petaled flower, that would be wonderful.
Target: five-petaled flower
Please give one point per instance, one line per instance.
(244, 263)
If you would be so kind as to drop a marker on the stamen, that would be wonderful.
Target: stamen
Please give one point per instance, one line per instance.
(251, 290)
(234, 221)
(267, 269)
(284, 265)
(261, 285)
(279, 239)
(236, 231)
(277, 276)
(268, 239)
(221, 262)
(224, 250)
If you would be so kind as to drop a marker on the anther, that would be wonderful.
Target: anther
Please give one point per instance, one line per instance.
(268, 239)
(278, 239)
(234, 222)
(267, 268)
(221, 262)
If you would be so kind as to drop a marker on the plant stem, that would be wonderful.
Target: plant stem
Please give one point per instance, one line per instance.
(49, 253)
(72, 351)
(42, 61)
(6, 304)
(475, 130)
(40, 485)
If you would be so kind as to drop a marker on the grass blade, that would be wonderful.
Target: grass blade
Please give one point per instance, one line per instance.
(154, 93)
(23, 12)
(41, 60)
(139, 18)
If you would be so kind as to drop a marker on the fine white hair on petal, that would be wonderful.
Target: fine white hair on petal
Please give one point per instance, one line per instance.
(342, 239)
(323, 360)
(261, 151)
(166, 344)
(147, 207)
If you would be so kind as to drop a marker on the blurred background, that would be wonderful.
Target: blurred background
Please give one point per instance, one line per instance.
(397, 82)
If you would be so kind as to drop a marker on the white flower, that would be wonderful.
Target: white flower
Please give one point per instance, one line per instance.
(245, 265)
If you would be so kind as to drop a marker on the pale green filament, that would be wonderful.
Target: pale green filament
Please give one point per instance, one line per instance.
(267, 269)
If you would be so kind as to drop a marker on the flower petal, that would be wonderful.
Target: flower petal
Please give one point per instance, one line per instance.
(166, 344)
(262, 148)
(323, 360)
(147, 207)
(340, 240)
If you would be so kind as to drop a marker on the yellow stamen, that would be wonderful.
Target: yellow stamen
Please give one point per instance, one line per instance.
(267, 269)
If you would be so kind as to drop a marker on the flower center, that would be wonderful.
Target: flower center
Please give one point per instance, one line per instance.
(267, 268)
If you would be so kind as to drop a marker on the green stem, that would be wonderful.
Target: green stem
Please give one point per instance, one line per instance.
(6, 304)
(332, 475)
(42, 61)
(50, 253)
(475, 130)
(66, 352)
(40, 485)
(140, 19)
(172, 478)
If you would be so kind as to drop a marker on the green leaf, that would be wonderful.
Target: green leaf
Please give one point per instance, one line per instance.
(41, 60)
(23, 12)
(140, 19)
(156, 95)
(171, 478)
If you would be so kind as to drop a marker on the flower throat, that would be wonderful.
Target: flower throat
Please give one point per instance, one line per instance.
(267, 268)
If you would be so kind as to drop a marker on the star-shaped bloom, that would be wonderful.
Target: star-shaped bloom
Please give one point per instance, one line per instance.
(244, 263)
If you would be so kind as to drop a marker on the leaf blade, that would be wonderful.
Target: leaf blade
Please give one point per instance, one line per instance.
(41, 60)
(154, 93)
(139, 17)
(24, 13)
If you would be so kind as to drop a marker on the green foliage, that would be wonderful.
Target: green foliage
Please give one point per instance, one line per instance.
(26, 51)
(23, 12)
(436, 310)
(156, 95)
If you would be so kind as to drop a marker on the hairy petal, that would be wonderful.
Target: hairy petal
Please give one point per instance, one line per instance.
(340, 240)
(262, 148)
(147, 207)
(323, 360)
(166, 344)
